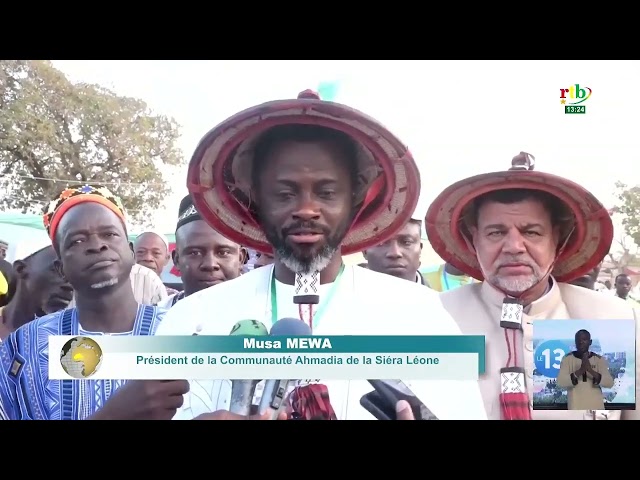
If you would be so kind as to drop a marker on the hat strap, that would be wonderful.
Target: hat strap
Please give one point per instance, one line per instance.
(373, 191)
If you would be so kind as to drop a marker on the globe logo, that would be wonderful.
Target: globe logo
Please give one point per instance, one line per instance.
(81, 357)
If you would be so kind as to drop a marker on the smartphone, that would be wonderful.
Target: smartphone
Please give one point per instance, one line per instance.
(382, 401)
(376, 406)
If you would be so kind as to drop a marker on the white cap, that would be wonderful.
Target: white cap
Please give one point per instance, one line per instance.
(156, 232)
(25, 248)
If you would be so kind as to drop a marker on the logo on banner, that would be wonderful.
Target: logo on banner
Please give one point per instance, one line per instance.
(81, 357)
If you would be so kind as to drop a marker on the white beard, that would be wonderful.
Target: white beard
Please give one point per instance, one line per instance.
(515, 285)
(317, 264)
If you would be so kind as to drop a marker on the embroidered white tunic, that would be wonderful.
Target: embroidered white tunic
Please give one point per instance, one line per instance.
(365, 303)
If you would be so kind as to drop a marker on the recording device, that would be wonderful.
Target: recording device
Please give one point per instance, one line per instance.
(242, 390)
(381, 403)
(275, 391)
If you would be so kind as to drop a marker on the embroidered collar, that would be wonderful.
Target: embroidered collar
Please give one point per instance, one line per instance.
(549, 300)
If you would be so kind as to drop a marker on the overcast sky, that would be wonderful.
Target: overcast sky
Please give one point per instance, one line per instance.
(459, 118)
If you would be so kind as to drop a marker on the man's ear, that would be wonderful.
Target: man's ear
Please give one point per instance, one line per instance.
(20, 269)
(58, 265)
(244, 256)
(131, 247)
(176, 258)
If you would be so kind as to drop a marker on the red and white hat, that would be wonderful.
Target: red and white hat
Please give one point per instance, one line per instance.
(586, 247)
(219, 176)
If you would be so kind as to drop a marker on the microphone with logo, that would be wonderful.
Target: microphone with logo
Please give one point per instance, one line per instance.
(242, 390)
(275, 391)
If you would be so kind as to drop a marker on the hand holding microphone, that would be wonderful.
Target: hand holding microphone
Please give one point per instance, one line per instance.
(392, 397)
(273, 402)
(242, 391)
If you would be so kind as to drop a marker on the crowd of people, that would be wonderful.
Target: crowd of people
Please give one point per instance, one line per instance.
(295, 185)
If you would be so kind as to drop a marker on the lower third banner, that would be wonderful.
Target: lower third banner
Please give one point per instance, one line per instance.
(232, 357)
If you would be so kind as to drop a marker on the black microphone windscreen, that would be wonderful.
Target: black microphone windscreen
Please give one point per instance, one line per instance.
(288, 327)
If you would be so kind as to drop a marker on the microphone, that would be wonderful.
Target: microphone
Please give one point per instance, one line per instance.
(275, 391)
(242, 390)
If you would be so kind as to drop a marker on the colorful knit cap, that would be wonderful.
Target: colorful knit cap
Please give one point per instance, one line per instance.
(71, 197)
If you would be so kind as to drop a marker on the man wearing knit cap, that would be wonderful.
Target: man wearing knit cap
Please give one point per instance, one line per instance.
(400, 255)
(87, 228)
(203, 256)
(523, 234)
(310, 181)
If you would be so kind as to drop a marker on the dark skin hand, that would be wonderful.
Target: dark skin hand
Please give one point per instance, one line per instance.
(585, 367)
(144, 400)
(596, 376)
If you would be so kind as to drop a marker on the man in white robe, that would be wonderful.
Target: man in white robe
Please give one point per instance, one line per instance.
(308, 187)
(523, 234)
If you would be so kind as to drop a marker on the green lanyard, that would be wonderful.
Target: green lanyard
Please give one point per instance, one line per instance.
(319, 312)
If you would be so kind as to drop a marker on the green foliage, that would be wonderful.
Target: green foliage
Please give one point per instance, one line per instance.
(629, 207)
(51, 128)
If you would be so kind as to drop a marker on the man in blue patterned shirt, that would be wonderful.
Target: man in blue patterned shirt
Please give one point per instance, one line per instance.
(87, 229)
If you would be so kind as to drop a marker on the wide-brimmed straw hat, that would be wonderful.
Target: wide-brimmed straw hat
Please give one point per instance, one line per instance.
(591, 233)
(219, 176)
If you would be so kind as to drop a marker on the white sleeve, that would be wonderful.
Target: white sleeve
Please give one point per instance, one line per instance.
(432, 318)
(204, 396)
(178, 320)
(160, 291)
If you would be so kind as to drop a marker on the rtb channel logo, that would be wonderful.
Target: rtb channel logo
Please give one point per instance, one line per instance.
(573, 98)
